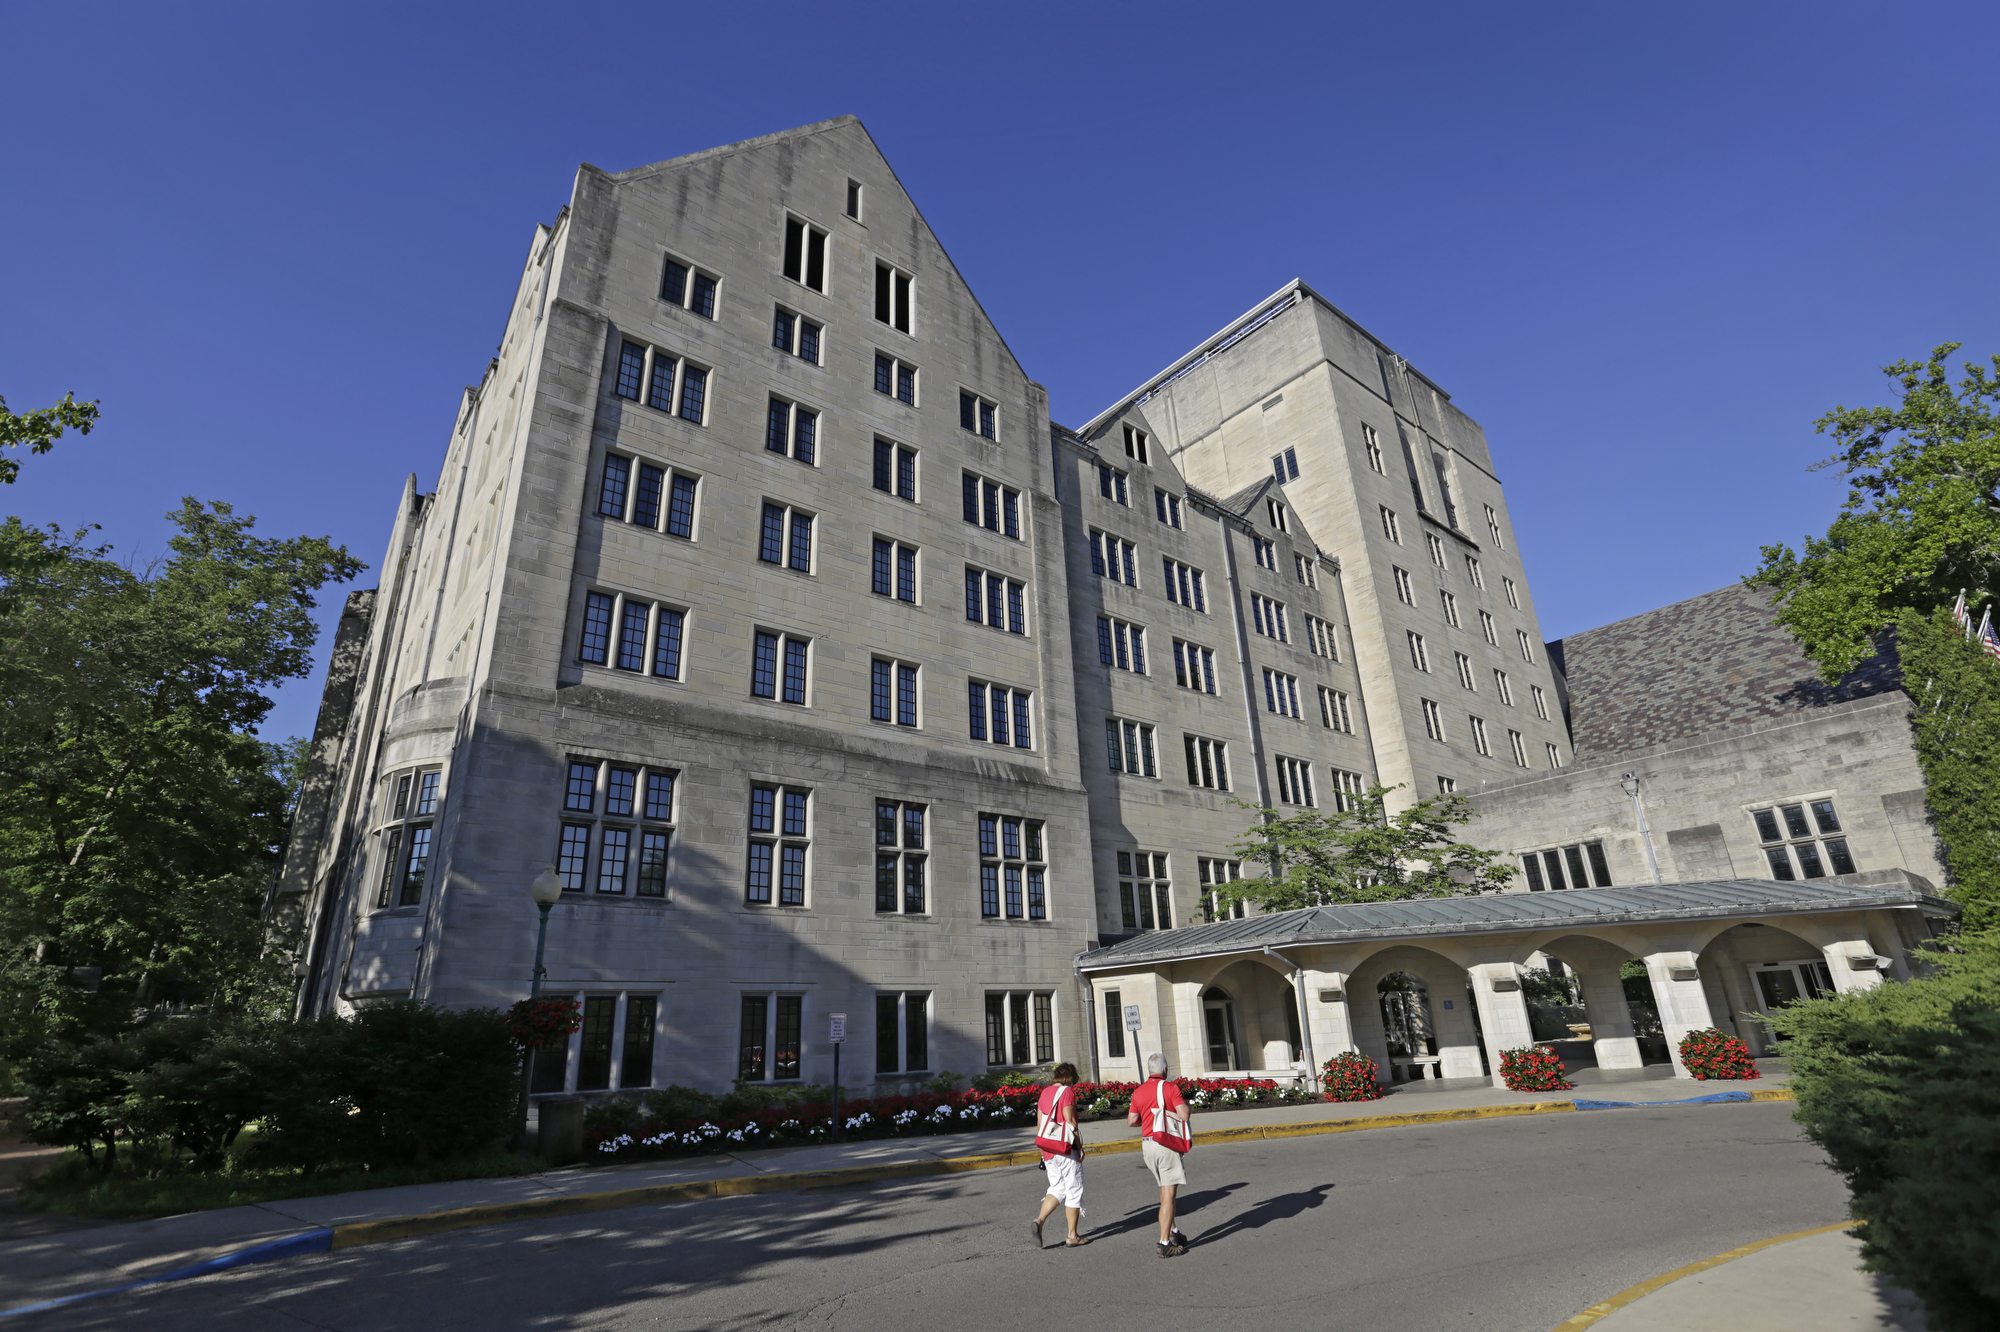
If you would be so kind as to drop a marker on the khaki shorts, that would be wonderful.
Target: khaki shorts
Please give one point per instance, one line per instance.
(1162, 1163)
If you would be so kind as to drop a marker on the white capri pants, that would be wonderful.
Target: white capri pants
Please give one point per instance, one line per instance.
(1066, 1180)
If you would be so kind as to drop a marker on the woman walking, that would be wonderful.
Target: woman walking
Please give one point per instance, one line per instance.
(1062, 1154)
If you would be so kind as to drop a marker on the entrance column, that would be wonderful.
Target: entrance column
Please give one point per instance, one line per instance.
(1853, 963)
(1610, 1020)
(1503, 1011)
(1327, 1014)
(1683, 1003)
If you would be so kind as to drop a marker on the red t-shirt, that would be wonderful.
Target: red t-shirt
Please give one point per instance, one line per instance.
(1142, 1102)
(1047, 1103)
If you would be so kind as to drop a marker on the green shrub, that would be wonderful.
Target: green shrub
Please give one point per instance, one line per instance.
(995, 1081)
(673, 1103)
(1901, 1086)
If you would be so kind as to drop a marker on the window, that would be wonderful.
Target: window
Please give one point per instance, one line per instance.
(792, 431)
(1479, 736)
(1555, 754)
(1390, 527)
(1493, 526)
(1303, 568)
(1520, 748)
(780, 839)
(1464, 664)
(1526, 644)
(1020, 1028)
(1194, 667)
(796, 334)
(772, 1027)
(1486, 628)
(1434, 720)
(1266, 552)
(1295, 783)
(1131, 747)
(787, 537)
(993, 506)
(1583, 861)
(895, 570)
(1472, 572)
(1184, 585)
(1268, 617)
(805, 254)
(1786, 832)
(406, 840)
(598, 1041)
(1111, 484)
(1013, 871)
(1145, 890)
(902, 1032)
(660, 373)
(1207, 762)
(1321, 638)
(1502, 688)
(1447, 785)
(1541, 701)
(892, 298)
(1135, 446)
(1121, 644)
(1449, 604)
(1513, 595)
(892, 694)
(1114, 1025)
(1167, 508)
(995, 600)
(1286, 465)
(689, 287)
(632, 491)
(1276, 512)
(895, 469)
(648, 636)
(978, 415)
(1435, 545)
(769, 647)
(1372, 443)
(1281, 693)
(1214, 875)
(854, 199)
(896, 378)
(1404, 592)
(1114, 558)
(1333, 710)
(1420, 656)
(900, 856)
(999, 714)
(1348, 788)
(636, 803)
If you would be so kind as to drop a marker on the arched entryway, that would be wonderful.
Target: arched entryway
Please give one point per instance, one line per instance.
(1413, 1014)
(1751, 971)
(1407, 1025)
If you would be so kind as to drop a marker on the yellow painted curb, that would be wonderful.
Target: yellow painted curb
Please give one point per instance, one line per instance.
(1773, 1094)
(1645, 1288)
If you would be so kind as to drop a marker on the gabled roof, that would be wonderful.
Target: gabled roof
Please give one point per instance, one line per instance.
(1497, 913)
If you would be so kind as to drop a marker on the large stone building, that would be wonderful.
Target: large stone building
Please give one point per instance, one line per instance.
(759, 596)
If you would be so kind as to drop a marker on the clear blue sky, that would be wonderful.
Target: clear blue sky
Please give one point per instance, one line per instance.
(1644, 245)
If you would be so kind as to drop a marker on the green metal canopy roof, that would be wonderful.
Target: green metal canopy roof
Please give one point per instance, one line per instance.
(1493, 913)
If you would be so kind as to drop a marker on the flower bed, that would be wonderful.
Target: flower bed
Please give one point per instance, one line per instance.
(1712, 1053)
(1534, 1068)
(625, 1130)
(1351, 1076)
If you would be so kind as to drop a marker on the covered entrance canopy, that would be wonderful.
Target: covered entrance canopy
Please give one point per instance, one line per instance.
(1268, 995)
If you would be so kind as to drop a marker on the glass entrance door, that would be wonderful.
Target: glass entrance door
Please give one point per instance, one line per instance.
(1781, 983)
(1219, 1017)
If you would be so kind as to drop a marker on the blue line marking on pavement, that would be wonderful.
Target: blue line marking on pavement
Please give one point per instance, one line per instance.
(1641, 1105)
(313, 1241)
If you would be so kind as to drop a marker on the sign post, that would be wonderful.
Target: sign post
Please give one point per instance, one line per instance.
(1132, 1024)
(837, 1033)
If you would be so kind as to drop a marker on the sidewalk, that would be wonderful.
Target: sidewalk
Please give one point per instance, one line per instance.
(51, 1266)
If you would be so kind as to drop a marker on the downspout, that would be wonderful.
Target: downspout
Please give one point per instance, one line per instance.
(1089, 1017)
(1305, 1021)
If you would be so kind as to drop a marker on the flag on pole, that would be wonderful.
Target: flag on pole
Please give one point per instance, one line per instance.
(1960, 616)
(1989, 640)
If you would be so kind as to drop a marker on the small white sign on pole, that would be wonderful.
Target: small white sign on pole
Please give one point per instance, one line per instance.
(838, 1024)
(1132, 1017)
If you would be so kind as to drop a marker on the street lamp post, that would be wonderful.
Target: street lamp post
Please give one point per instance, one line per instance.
(1630, 782)
(547, 891)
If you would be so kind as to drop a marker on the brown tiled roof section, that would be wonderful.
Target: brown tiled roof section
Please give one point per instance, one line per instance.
(1711, 663)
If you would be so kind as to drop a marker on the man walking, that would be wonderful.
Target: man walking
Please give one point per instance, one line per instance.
(1161, 1116)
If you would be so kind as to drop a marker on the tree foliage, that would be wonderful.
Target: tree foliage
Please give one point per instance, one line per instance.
(1364, 854)
(139, 817)
(1920, 523)
(38, 431)
(1955, 691)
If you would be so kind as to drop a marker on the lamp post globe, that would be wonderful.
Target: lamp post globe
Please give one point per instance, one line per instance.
(547, 891)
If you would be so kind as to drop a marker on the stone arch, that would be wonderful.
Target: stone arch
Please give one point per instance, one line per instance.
(1265, 1014)
(1454, 1017)
(1743, 986)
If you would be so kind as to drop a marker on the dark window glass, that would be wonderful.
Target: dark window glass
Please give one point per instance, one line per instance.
(1824, 816)
(694, 392)
(1104, 640)
(781, 330)
(771, 548)
(614, 850)
(986, 422)
(906, 574)
(1128, 910)
(1600, 873)
(680, 509)
(883, 551)
(582, 790)
(885, 463)
(1795, 820)
(764, 667)
(1017, 1026)
(882, 293)
(885, 375)
(792, 876)
(573, 855)
(659, 795)
(971, 489)
(888, 1040)
(427, 791)
(596, 641)
(750, 1063)
(667, 647)
(1038, 898)
(1836, 853)
(551, 1069)
(802, 542)
(1552, 865)
(805, 436)
(703, 303)
(809, 341)
(632, 636)
(916, 1032)
(413, 867)
(906, 696)
(999, 715)
(996, 602)
(611, 495)
(763, 809)
(885, 883)
(878, 705)
(795, 248)
(989, 844)
(1010, 503)
(1104, 480)
(1114, 1025)
(635, 1067)
(906, 473)
(913, 827)
(1021, 738)
(816, 259)
(1809, 862)
(1767, 825)
(996, 1028)
(902, 303)
(795, 814)
(989, 890)
(593, 1065)
(1781, 863)
(778, 427)
(1045, 1029)
(652, 864)
(621, 786)
(1017, 622)
(673, 286)
(795, 670)
(1577, 877)
(646, 501)
(885, 823)
(631, 370)
(660, 391)
(913, 885)
(992, 503)
(758, 888)
(906, 384)
(968, 412)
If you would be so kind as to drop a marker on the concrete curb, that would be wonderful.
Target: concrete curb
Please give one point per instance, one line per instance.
(1647, 1287)
(355, 1234)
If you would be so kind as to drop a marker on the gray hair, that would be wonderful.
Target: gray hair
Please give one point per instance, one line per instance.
(1156, 1065)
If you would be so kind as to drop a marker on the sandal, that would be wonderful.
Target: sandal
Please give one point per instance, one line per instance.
(1038, 1235)
(1076, 1243)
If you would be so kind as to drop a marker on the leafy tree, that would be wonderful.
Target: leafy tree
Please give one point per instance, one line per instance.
(139, 818)
(38, 431)
(1364, 854)
(1921, 520)
(1955, 691)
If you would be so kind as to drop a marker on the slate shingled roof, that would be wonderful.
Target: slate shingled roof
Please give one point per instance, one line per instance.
(1712, 662)
(1491, 913)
